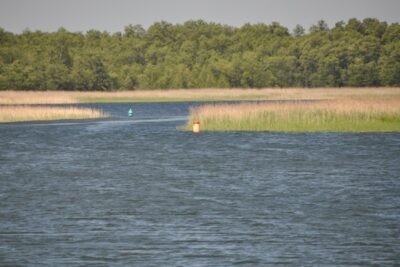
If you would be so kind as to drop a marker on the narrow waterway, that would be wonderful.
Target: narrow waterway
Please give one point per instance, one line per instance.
(137, 192)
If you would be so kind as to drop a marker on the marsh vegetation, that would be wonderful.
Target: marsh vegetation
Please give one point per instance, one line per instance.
(370, 108)
(43, 113)
(180, 95)
(344, 115)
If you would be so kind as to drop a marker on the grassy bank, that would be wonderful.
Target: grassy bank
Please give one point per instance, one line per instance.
(25, 113)
(344, 115)
(53, 97)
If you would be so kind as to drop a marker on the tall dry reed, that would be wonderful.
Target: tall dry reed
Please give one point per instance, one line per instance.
(328, 115)
(211, 94)
(27, 113)
(32, 97)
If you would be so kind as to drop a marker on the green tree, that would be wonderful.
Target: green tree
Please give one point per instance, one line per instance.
(321, 26)
(90, 73)
(298, 30)
(389, 65)
(202, 54)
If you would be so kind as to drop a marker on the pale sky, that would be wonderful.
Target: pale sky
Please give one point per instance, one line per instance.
(113, 15)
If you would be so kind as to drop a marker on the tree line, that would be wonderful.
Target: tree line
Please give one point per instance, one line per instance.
(199, 54)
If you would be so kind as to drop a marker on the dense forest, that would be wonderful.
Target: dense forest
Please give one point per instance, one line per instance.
(198, 54)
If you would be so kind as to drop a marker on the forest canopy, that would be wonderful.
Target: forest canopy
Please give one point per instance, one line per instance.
(199, 54)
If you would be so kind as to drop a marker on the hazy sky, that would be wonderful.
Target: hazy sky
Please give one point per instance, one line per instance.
(113, 15)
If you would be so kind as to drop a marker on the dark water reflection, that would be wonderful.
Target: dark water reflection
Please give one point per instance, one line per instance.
(137, 192)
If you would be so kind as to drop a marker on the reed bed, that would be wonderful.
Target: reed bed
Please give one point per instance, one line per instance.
(344, 115)
(210, 94)
(35, 97)
(217, 94)
(28, 113)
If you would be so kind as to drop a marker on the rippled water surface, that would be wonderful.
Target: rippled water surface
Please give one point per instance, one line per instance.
(137, 192)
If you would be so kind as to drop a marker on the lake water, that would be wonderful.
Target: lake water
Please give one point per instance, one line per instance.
(137, 192)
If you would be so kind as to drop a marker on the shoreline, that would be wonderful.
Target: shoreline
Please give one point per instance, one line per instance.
(17, 106)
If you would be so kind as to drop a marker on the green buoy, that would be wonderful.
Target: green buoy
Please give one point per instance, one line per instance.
(130, 113)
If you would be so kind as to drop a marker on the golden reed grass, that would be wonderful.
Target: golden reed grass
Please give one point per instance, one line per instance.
(31, 97)
(327, 115)
(28, 113)
(242, 94)
(210, 94)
